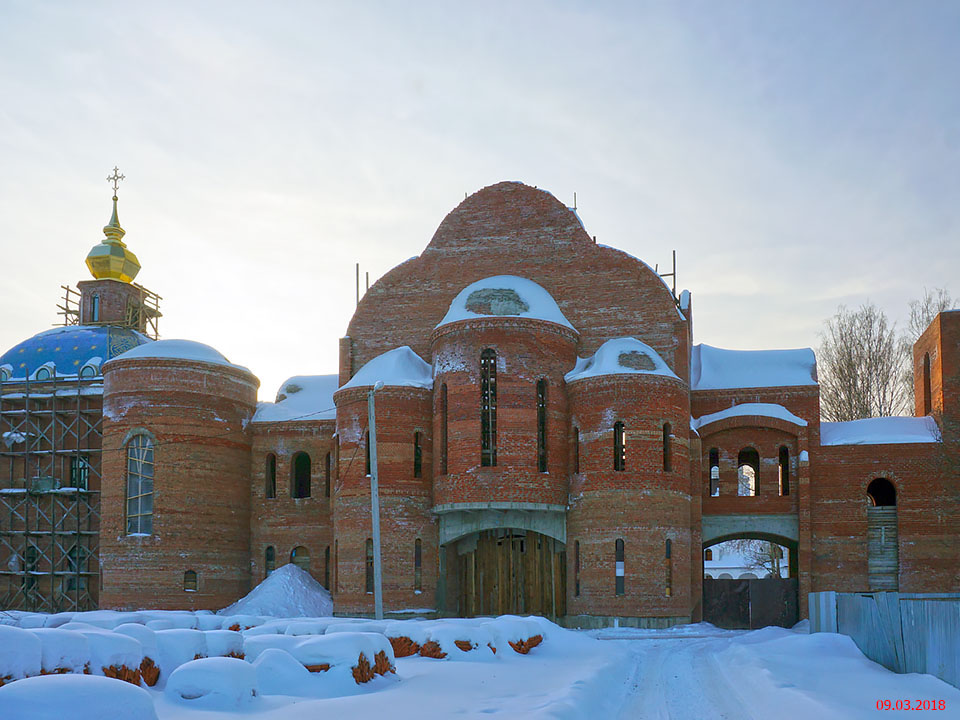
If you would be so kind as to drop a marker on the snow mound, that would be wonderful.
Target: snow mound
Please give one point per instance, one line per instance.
(213, 684)
(177, 647)
(717, 369)
(459, 641)
(302, 397)
(279, 673)
(771, 410)
(505, 296)
(142, 634)
(112, 650)
(621, 356)
(63, 650)
(20, 653)
(254, 646)
(400, 367)
(178, 350)
(221, 643)
(75, 697)
(880, 431)
(286, 592)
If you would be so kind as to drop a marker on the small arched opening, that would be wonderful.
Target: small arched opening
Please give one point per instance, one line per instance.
(300, 476)
(748, 472)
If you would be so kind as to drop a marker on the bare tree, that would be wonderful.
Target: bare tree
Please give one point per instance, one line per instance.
(923, 311)
(860, 362)
(763, 555)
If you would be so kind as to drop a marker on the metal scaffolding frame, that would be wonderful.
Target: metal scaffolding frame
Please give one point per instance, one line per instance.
(50, 460)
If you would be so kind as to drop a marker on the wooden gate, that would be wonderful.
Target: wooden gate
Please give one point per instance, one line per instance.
(513, 572)
(883, 560)
(750, 604)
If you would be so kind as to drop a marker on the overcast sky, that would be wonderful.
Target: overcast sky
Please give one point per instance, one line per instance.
(796, 155)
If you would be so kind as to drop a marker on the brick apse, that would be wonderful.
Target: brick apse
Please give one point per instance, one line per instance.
(549, 440)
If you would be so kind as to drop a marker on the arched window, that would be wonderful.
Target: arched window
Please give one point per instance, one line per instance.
(300, 557)
(269, 560)
(95, 310)
(748, 472)
(140, 485)
(300, 476)
(668, 581)
(79, 471)
(488, 408)
(189, 581)
(576, 568)
(326, 567)
(417, 566)
(270, 475)
(714, 472)
(326, 475)
(619, 446)
(576, 450)
(708, 554)
(620, 589)
(667, 460)
(882, 493)
(368, 585)
(417, 455)
(542, 425)
(784, 467)
(927, 400)
(443, 429)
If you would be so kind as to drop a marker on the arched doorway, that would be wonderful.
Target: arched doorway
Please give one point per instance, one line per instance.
(507, 571)
(883, 552)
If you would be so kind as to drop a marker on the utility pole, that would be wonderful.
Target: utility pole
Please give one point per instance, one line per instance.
(375, 505)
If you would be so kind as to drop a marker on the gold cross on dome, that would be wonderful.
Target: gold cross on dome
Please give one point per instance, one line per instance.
(115, 179)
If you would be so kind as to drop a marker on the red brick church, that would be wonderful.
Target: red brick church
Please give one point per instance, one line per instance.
(549, 440)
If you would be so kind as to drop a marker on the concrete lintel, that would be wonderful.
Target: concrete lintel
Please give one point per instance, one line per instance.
(473, 506)
(463, 519)
(784, 525)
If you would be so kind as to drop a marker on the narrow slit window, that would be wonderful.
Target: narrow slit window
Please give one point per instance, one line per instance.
(927, 395)
(300, 470)
(326, 567)
(417, 566)
(269, 560)
(443, 429)
(576, 450)
(620, 554)
(714, 472)
(488, 408)
(668, 581)
(784, 468)
(368, 585)
(270, 476)
(667, 460)
(327, 461)
(417, 456)
(576, 568)
(95, 310)
(542, 425)
(619, 446)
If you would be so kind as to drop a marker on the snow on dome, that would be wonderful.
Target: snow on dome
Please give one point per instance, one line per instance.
(180, 350)
(771, 410)
(302, 397)
(504, 296)
(621, 356)
(69, 349)
(880, 431)
(286, 592)
(400, 367)
(716, 369)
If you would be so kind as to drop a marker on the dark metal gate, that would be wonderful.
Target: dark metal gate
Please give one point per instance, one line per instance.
(750, 604)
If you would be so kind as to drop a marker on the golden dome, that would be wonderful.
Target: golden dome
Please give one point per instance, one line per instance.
(110, 258)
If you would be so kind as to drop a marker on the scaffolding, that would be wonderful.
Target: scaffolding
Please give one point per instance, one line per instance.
(142, 313)
(50, 460)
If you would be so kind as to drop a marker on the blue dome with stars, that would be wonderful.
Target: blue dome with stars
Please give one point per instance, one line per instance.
(70, 348)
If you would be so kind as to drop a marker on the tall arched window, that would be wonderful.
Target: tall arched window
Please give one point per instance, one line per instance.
(619, 446)
(269, 560)
(488, 408)
(576, 450)
(882, 493)
(300, 476)
(417, 566)
(140, 485)
(927, 400)
(326, 475)
(542, 425)
(443, 429)
(667, 459)
(368, 585)
(417, 455)
(300, 557)
(784, 467)
(270, 476)
(714, 472)
(748, 472)
(326, 567)
(620, 559)
(708, 554)
(576, 568)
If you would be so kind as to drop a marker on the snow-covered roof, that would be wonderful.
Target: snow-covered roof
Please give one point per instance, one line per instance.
(179, 350)
(302, 397)
(400, 367)
(716, 369)
(771, 410)
(504, 296)
(880, 431)
(621, 356)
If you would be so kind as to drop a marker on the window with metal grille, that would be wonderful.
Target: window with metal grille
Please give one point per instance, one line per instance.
(140, 485)
(620, 589)
(488, 408)
(542, 425)
(619, 446)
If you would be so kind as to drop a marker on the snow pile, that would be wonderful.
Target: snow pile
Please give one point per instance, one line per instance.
(400, 367)
(504, 296)
(20, 653)
(112, 653)
(448, 640)
(62, 650)
(75, 697)
(771, 410)
(219, 683)
(224, 643)
(178, 646)
(302, 397)
(621, 356)
(717, 369)
(178, 350)
(521, 634)
(286, 592)
(355, 656)
(880, 431)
